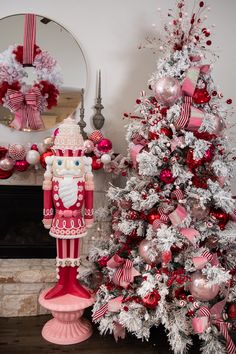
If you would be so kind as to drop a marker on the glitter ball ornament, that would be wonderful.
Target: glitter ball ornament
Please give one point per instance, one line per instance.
(167, 90)
(104, 145)
(95, 136)
(43, 157)
(21, 165)
(16, 151)
(106, 159)
(88, 146)
(201, 96)
(6, 164)
(166, 176)
(32, 157)
(96, 163)
(144, 249)
(201, 289)
(151, 300)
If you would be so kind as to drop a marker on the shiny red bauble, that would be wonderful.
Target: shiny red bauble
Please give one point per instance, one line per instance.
(3, 151)
(43, 157)
(96, 163)
(34, 147)
(152, 216)
(167, 132)
(232, 311)
(153, 135)
(6, 174)
(21, 165)
(151, 300)
(166, 176)
(201, 96)
(221, 216)
(104, 145)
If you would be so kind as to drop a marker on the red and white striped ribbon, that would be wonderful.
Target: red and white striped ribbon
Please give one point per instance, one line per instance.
(182, 121)
(207, 255)
(124, 273)
(101, 312)
(177, 194)
(29, 38)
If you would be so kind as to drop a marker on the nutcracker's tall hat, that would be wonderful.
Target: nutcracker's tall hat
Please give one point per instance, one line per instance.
(68, 142)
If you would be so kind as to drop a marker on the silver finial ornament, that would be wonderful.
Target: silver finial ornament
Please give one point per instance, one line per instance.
(81, 122)
(98, 118)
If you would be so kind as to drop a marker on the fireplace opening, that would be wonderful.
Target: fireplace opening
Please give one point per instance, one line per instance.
(22, 234)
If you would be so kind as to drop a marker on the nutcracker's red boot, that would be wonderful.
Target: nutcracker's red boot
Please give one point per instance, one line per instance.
(60, 288)
(73, 285)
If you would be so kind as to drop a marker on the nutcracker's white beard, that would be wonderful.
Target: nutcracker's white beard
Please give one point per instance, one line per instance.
(68, 191)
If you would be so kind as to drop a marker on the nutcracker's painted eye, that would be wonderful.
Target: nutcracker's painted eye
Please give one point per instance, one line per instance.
(76, 163)
(59, 162)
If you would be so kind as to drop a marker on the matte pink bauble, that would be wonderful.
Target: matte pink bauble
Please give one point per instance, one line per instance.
(198, 212)
(167, 90)
(6, 164)
(219, 125)
(143, 249)
(16, 151)
(88, 146)
(104, 145)
(21, 165)
(200, 288)
(166, 176)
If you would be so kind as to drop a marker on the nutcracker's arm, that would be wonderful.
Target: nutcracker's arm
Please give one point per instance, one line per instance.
(89, 190)
(47, 195)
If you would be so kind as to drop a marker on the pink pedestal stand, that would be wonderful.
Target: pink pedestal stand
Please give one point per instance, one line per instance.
(67, 326)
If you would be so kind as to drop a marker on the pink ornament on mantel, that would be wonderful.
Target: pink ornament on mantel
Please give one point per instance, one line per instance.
(104, 145)
(200, 288)
(6, 164)
(16, 151)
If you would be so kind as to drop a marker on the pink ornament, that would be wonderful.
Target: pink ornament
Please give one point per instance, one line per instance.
(200, 288)
(56, 131)
(16, 151)
(88, 146)
(32, 157)
(167, 90)
(104, 145)
(21, 165)
(198, 212)
(166, 176)
(144, 248)
(6, 164)
(219, 125)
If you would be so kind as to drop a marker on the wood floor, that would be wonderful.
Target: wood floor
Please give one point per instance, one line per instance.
(22, 335)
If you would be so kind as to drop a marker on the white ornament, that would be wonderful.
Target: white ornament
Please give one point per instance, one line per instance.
(105, 158)
(32, 157)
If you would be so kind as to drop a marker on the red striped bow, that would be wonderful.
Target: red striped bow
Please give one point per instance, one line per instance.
(125, 272)
(213, 316)
(26, 108)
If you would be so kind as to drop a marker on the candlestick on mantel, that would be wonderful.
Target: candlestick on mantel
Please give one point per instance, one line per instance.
(98, 118)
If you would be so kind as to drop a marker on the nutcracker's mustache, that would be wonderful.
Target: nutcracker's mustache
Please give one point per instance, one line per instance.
(66, 172)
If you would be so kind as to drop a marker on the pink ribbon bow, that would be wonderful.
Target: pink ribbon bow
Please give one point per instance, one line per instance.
(125, 272)
(191, 117)
(207, 316)
(26, 108)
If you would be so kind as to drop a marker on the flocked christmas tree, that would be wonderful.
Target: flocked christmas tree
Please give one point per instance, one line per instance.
(171, 257)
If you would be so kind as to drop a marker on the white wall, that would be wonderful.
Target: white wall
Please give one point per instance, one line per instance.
(109, 32)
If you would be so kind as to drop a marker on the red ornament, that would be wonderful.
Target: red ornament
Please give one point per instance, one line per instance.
(232, 311)
(21, 165)
(34, 147)
(151, 300)
(166, 176)
(208, 156)
(152, 216)
(43, 157)
(208, 42)
(5, 174)
(153, 136)
(199, 182)
(201, 4)
(214, 93)
(166, 131)
(96, 163)
(221, 216)
(104, 145)
(191, 162)
(201, 96)
(3, 152)
(103, 261)
(229, 101)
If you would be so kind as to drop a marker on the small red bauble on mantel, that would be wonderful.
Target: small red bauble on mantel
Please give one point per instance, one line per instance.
(6, 174)
(96, 163)
(21, 165)
(104, 145)
(43, 157)
(201, 96)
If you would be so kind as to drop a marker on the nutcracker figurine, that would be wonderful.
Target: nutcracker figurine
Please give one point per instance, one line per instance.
(68, 188)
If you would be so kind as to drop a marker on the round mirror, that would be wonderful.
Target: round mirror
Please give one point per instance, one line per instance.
(61, 46)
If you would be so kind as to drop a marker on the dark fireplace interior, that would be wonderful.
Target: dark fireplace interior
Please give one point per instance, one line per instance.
(22, 234)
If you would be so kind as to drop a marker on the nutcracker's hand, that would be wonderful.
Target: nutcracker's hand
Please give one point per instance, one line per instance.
(89, 223)
(47, 223)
